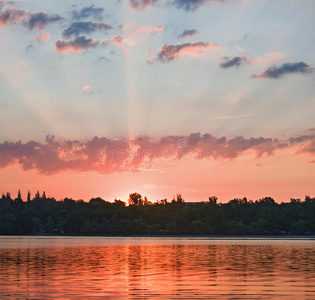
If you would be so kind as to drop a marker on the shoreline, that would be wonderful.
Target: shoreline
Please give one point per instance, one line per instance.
(193, 237)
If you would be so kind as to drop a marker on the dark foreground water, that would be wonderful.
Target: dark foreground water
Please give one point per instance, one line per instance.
(151, 268)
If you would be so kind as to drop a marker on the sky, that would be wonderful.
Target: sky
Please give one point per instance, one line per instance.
(159, 97)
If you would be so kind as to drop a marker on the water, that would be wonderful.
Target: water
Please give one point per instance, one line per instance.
(153, 268)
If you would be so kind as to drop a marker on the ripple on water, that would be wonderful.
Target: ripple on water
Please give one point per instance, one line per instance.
(198, 271)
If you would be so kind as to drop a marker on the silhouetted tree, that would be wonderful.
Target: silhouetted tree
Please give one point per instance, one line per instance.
(75, 217)
(179, 198)
(135, 199)
(213, 199)
(146, 202)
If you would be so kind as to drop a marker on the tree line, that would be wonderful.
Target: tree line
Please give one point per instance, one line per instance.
(46, 215)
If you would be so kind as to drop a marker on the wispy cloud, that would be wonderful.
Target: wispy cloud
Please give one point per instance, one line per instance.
(157, 29)
(77, 45)
(267, 58)
(79, 28)
(233, 116)
(40, 20)
(86, 89)
(12, 16)
(170, 52)
(104, 155)
(118, 41)
(235, 61)
(82, 43)
(191, 5)
(276, 72)
(188, 33)
(103, 58)
(146, 29)
(150, 51)
(141, 4)
(44, 36)
(89, 11)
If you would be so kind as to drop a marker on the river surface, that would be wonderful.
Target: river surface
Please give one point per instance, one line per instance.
(156, 268)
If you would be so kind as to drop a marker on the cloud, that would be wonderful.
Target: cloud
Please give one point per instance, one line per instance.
(40, 20)
(77, 45)
(189, 5)
(310, 148)
(34, 20)
(53, 156)
(233, 116)
(141, 4)
(78, 28)
(301, 138)
(207, 146)
(306, 142)
(86, 89)
(157, 29)
(140, 30)
(118, 41)
(12, 16)
(267, 58)
(103, 58)
(147, 29)
(276, 72)
(44, 36)
(188, 33)
(86, 12)
(235, 61)
(30, 48)
(150, 51)
(105, 155)
(170, 52)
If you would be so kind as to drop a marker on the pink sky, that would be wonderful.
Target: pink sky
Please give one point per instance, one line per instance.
(265, 169)
(126, 91)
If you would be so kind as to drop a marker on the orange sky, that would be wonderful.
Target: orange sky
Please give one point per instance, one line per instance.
(282, 176)
(231, 78)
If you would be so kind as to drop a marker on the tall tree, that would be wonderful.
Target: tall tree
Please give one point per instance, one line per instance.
(28, 196)
(135, 199)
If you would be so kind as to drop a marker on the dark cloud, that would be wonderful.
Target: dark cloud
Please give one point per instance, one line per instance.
(235, 61)
(105, 156)
(169, 52)
(86, 12)
(301, 138)
(78, 44)
(55, 156)
(30, 48)
(141, 4)
(306, 142)
(188, 33)
(310, 148)
(103, 58)
(189, 5)
(79, 28)
(276, 72)
(12, 16)
(37, 20)
(40, 20)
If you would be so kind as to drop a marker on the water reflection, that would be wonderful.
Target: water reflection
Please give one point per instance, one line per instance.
(168, 270)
